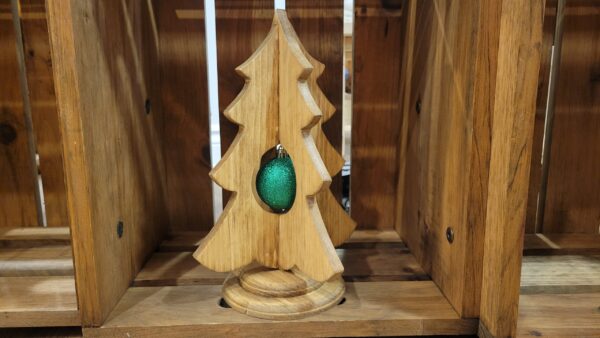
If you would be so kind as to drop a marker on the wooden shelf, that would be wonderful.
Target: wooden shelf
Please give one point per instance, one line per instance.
(560, 296)
(38, 301)
(34, 236)
(189, 240)
(387, 294)
(373, 308)
(37, 286)
(562, 244)
(54, 260)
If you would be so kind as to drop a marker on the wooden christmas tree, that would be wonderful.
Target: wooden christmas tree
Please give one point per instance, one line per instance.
(284, 264)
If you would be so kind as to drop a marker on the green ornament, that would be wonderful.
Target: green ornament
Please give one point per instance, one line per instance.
(276, 183)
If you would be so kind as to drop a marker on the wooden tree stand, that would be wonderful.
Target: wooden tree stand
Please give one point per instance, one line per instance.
(298, 271)
(279, 294)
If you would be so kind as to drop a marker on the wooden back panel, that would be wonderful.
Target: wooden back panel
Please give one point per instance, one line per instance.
(376, 115)
(17, 199)
(105, 67)
(183, 90)
(573, 196)
(44, 111)
(18, 206)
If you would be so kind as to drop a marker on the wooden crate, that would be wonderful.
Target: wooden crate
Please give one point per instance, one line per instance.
(443, 125)
(37, 283)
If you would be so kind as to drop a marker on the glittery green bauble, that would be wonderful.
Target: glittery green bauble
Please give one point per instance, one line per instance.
(276, 184)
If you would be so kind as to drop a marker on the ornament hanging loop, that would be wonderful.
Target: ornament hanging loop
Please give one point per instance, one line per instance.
(281, 151)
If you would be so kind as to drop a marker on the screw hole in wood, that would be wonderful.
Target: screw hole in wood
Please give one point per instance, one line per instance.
(148, 106)
(8, 134)
(450, 235)
(342, 301)
(120, 229)
(223, 304)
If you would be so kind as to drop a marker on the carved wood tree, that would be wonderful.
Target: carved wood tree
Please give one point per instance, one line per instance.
(281, 103)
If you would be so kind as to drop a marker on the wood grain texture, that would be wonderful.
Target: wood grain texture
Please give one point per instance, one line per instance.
(34, 237)
(360, 265)
(384, 308)
(573, 196)
(56, 260)
(320, 27)
(17, 200)
(184, 99)
(284, 110)
(337, 221)
(561, 244)
(275, 294)
(520, 35)
(189, 240)
(238, 36)
(104, 69)
(376, 119)
(44, 111)
(560, 274)
(243, 25)
(448, 96)
(564, 315)
(232, 244)
(38, 302)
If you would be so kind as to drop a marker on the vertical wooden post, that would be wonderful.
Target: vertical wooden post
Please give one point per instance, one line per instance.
(105, 69)
(512, 132)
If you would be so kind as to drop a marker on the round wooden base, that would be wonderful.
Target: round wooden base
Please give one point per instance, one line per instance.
(280, 295)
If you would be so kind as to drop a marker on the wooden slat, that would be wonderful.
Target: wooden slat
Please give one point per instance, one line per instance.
(538, 131)
(17, 200)
(44, 112)
(565, 315)
(38, 301)
(448, 93)
(573, 196)
(104, 69)
(375, 308)
(387, 264)
(177, 268)
(520, 37)
(376, 118)
(33, 237)
(184, 96)
(560, 274)
(561, 244)
(189, 240)
(53, 260)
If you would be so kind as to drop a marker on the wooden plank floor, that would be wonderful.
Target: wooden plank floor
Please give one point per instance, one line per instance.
(377, 264)
(189, 240)
(562, 244)
(37, 285)
(387, 294)
(48, 260)
(560, 296)
(34, 236)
